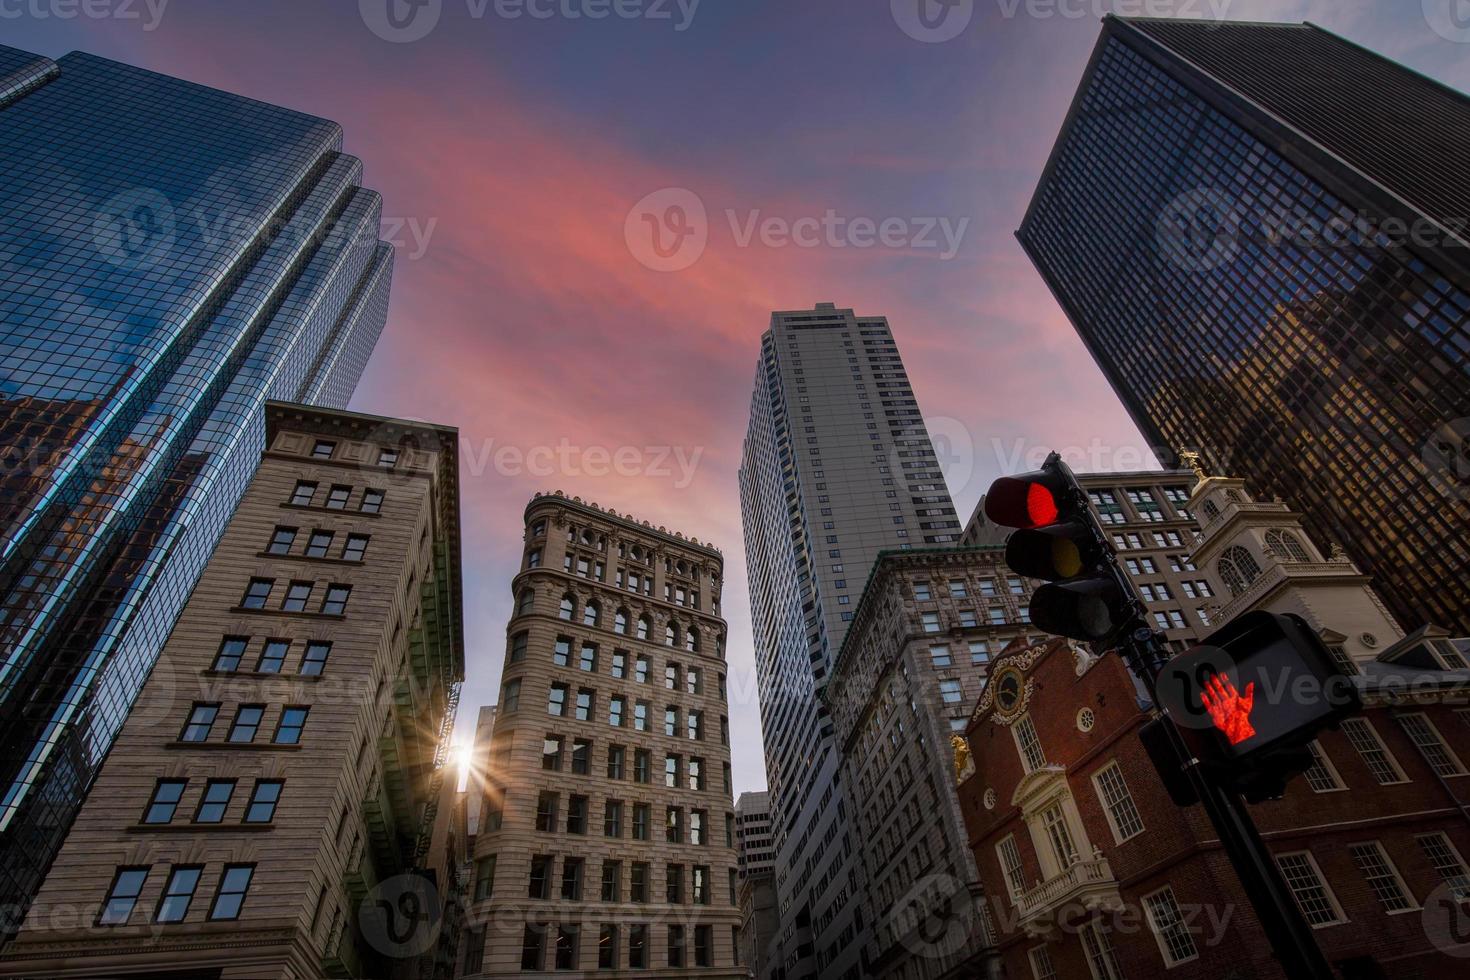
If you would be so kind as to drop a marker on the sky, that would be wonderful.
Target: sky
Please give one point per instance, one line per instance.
(527, 150)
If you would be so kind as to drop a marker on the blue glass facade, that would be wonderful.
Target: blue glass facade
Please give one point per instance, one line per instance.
(171, 257)
(1252, 229)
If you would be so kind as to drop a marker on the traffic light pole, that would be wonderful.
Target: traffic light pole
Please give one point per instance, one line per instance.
(1290, 936)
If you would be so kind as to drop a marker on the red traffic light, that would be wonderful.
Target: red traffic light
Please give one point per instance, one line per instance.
(1030, 500)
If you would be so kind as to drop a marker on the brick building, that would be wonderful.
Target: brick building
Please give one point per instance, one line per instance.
(279, 779)
(1093, 872)
(607, 836)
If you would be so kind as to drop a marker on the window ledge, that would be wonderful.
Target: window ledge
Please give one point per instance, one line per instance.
(323, 559)
(322, 509)
(247, 746)
(335, 617)
(189, 827)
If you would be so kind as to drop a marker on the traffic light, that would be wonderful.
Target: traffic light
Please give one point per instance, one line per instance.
(1058, 540)
(1253, 694)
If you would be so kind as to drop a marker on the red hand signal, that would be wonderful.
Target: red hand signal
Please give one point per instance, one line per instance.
(1228, 709)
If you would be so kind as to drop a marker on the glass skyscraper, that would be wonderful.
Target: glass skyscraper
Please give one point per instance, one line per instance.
(1259, 230)
(171, 257)
(837, 467)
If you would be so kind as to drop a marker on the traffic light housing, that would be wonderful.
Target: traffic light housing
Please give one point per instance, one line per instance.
(1253, 694)
(1058, 541)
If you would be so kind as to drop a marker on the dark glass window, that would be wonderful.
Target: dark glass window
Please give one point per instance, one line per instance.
(127, 885)
(200, 721)
(247, 722)
(165, 800)
(177, 895)
(234, 885)
(215, 801)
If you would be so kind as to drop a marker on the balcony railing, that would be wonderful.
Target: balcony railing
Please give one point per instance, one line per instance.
(1089, 882)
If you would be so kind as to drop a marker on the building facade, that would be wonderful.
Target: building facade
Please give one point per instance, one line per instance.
(755, 843)
(837, 466)
(607, 836)
(1154, 532)
(1244, 225)
(909, 673)
(476, 779)
(172, 257)
(1093, 872)
(279, 779)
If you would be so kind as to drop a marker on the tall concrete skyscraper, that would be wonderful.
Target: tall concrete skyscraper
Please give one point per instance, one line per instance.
(171, 257)
(1253, 230)
(837, 467)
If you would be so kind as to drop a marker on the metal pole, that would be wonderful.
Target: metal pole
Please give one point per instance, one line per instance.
(1290, 936)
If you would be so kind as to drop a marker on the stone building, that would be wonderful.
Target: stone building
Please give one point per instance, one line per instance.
(907, 677)
(607, 837)
(760, 940)
(276, 785)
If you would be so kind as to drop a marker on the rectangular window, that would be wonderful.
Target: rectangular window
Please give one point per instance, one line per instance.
(1122, 814)
(1321, 776)
(314, 661)
(1059, 835)
(1029, 743)
(337, 497)
(940, 656)
(607, 947)
(612, 881)
(256, 593)
(246, 723)
(979, 653)
(703, 946)
(642, 766)
(620, 664)
(581, 757)
(319, 543)
(588, 660)
(556, 700)
(510, 698)
(335, 603)
(931, 622)
(616, 755)
(1315, 900)
(612, 819)
(1167, 921)
(1382, 877)
(297, 593)
(1361, 734)
(288, 729)
(1098, 945)
(1041, 965)
(215, 801)
(638, 882)
(281, 540)
(231, 650)
(949, 691)
(387, 458)
(674, 825)
(484, 877)
(640, 821)
(921, 591)
(164, 801)
(200, 721)
(571, 879)
(676, 946)
(671, 771)
(178, 894)
(1010, 865)
(303, 494)
(1427, 739)
(127, 885)
(533, 946)
(263, 800)
(576, 814)
(546, 805)
(273, 656)
(229, 897)
(551, 753)
(700, 884)
(372, 501)
(1446, 861)
(638, 947)
(355, 548)
(540, 880)
(585, 700)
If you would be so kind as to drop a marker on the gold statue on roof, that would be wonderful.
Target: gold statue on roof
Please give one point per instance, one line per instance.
(1195, 462)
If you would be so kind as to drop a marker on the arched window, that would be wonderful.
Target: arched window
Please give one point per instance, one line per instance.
(1238, 569)
(526, 603)
(671, 633)
(568, 606)
(1286, 546)
(620, 621)
(691, 641)
(643, 627)
(1211, 511)
(591, 614)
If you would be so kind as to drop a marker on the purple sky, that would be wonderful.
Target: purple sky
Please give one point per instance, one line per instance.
(510, 152)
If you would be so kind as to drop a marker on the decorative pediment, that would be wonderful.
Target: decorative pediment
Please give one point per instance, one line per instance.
(1039, 787)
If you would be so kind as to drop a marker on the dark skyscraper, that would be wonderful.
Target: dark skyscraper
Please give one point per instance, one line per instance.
(1259, 232)
(170, 258)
